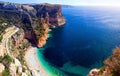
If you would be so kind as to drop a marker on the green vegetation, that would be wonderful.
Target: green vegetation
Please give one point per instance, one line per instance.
(6, 72)
(19, 50)
(8, 19)
(3, 25)
(1, 38)
(1, 58)
(7, 60)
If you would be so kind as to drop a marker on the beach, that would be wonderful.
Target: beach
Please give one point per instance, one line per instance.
(33, 63)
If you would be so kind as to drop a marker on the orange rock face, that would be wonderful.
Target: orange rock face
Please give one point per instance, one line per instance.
(42, 40)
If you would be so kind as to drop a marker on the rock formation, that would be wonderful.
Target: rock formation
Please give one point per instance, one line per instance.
(111, 66)
(2, 68)
(51, 13)
(28, 14)
(12, 69)
(94, 72)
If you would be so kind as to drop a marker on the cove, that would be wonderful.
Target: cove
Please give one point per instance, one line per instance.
(83, 43)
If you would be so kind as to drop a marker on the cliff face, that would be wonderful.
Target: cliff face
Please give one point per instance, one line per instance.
(27, 16)
(51, 13)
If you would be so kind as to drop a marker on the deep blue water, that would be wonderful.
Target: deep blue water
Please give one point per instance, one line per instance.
(85, 41)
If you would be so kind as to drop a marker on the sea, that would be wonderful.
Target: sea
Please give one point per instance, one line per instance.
(89, 36)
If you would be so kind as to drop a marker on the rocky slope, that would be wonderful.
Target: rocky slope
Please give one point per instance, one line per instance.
(28, 17)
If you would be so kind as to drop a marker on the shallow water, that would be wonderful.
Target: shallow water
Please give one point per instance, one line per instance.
(84, 42)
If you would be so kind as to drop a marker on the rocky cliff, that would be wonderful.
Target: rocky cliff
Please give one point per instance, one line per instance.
(52, 14)
(111, 65)
(30, 17)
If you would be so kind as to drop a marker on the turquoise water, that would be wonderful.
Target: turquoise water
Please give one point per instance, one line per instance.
(83, 43)
(51, 70)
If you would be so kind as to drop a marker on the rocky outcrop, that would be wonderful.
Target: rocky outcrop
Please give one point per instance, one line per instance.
(2, 68)
(111, 65)
(2, 50)
(94, 72)
(12, 69)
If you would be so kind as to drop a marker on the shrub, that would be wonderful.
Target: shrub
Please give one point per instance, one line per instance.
(1, 38)
(7, 60)
(6, 72)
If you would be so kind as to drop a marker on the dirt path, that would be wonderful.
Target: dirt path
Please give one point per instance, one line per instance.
(8, 33)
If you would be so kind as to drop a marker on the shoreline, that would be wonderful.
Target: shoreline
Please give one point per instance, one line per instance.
(31, 59)
(34, 63)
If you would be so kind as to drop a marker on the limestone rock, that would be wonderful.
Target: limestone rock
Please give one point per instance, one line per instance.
(2, 67)
(17, 62)
(12, 69)
(94, 72)
(24, 74)
(2, 51)
(19, 70)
